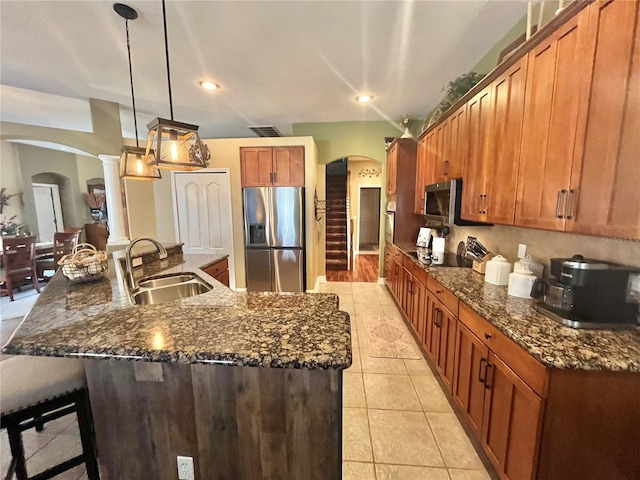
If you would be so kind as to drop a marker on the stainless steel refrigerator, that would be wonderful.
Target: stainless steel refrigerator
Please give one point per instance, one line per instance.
(274, 238)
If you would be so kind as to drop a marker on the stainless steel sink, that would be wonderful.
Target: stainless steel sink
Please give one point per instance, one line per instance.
(156, 281)
(152, 296)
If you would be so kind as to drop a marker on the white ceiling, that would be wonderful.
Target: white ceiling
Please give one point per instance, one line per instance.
(278, 62)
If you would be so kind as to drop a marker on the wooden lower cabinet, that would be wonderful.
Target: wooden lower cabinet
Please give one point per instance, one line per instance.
(468, 386)
(446, 328)
(432, 337)
(533, 421)
(419, 310)
(219, 271)
(511, 422)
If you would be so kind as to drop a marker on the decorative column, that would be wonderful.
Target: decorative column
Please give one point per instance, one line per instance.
(117, 229)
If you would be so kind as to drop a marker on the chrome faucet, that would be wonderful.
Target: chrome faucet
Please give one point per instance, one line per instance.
(162, 253)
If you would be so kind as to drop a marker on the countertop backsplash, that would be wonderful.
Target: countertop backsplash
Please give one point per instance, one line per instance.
(543, 245)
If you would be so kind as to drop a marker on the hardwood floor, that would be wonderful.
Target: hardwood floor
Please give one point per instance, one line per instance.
(365, 270)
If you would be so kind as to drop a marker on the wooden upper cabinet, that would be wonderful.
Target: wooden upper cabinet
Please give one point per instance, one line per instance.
(392, 168)
(457, 146)
(272, 166)
(479, 111)
(604, 195)
(421, 173)
(555, 73)
(501, 173)
(288, 166)
(256, 166)
(511, 422)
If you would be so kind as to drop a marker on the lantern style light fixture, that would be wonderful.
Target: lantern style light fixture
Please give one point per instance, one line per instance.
(174, 145)
(133, 163)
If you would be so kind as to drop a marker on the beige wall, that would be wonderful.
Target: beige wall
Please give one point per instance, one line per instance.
(106, 137)
(320, 232)
(355, 167)
(543, 245)
(225, 153)
(11, 179)
(337, 140)
(39, 161)
(143, 220)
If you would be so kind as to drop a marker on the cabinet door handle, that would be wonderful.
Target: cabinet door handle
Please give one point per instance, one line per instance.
(436, 314)
(446, 164)
(410, 288)
(275, 177)
(487, 336)
(438, 292)
(270, 177)
(482, 379)
(479, 203)
(395, 269)
(568, 210)
(560, 202)
(486, 376)
(484, 204)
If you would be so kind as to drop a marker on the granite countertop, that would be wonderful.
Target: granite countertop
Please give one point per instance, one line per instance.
(549, 342)
(98, 320)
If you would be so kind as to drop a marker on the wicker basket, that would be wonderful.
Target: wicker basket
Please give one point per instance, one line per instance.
(84, 264)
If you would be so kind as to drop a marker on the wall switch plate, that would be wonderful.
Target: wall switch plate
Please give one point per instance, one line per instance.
(185, 468)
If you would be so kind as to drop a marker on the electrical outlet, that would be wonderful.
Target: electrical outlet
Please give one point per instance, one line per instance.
(522, 250)
(185, 468)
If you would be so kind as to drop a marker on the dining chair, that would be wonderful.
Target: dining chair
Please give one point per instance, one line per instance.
(18, 263)
(63, 244)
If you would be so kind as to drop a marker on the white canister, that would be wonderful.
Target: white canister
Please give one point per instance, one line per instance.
(520, 283)
(437, 251)
(498, 269)
(527, 262)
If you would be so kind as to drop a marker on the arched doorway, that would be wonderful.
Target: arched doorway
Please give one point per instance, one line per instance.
(354, 196)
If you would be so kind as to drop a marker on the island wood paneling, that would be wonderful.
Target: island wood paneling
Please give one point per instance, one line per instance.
(236, 422)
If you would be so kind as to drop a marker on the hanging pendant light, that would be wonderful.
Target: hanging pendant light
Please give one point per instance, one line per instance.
(133, 164)
(170, 144)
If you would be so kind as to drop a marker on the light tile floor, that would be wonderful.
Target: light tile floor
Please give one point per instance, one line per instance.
(397, 423)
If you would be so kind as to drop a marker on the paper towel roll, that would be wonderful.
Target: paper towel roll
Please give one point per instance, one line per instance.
(437, 251)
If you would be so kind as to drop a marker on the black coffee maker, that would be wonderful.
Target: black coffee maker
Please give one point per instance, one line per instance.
(587, 294)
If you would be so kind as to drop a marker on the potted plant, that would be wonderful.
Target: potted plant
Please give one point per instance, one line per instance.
(455, 91)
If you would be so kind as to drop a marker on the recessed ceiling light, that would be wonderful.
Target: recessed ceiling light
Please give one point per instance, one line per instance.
(209, 85)
(364, 98)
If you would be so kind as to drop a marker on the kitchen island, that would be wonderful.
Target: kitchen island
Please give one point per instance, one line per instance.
(248, 384)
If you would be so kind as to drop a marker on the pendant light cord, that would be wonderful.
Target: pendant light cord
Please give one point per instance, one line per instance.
(133, 97)
(166, 53)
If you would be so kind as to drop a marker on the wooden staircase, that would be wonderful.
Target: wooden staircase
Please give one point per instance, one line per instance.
(336, 223)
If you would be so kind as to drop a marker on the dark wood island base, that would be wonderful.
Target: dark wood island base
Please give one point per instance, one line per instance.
(236, 422)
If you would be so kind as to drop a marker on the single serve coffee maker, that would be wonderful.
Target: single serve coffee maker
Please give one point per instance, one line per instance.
(587, 293)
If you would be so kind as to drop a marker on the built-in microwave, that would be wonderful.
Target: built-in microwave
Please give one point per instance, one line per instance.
(442, 203)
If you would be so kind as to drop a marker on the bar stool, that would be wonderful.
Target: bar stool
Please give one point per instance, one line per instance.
(37, 390)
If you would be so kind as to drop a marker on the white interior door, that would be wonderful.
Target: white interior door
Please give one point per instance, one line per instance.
(203, 206)
(48, 210)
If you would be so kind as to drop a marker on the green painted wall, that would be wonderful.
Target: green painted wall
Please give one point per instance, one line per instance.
(346, 139)
(490, 60)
